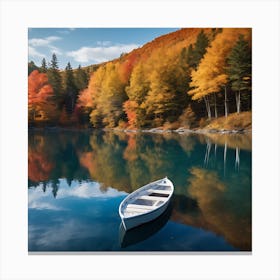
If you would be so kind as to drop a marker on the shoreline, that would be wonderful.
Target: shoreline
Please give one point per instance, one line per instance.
(158, 130)
(184, 131)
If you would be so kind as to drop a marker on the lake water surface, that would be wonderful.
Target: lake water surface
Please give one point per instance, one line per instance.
(77, 179)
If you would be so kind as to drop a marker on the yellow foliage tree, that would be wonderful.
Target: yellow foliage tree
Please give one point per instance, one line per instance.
(211, 76)
(107, 92)
(166, 98)
(95, 91)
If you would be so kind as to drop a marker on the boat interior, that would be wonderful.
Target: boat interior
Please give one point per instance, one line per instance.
(147, 200)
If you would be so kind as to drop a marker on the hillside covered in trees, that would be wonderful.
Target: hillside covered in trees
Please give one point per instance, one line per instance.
(183, 79)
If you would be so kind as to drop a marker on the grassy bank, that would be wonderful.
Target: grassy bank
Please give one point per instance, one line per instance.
(242, 121)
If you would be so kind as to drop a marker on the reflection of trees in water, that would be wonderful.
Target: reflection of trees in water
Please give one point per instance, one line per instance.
(39, 161)
(108, 164)
(120, 160)
(53, 155)
(127, 161)
(242, 141)
(207, 152)
(223, 209)
(225, 142)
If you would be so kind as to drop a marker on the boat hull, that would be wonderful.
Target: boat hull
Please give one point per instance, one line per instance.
(132, 222)
(144, 231)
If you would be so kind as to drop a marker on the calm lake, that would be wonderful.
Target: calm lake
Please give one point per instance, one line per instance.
(77, 179)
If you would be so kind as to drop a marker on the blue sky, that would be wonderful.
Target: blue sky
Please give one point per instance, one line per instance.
(87, 46)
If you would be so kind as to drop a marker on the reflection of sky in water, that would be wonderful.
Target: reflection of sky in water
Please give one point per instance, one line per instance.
(44, 200)
(84, 218)
(184, 238)
(77, 219)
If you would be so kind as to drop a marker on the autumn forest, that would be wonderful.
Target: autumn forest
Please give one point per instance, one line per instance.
(187, 78)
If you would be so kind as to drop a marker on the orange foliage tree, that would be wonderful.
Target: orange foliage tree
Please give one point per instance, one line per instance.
(85, 100)
(40, 94)
(39, 168)
(126, 66)
(40, 164)
(130, 110)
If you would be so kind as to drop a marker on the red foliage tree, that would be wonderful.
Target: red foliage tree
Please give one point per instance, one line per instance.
(126, 67)
(40, 93)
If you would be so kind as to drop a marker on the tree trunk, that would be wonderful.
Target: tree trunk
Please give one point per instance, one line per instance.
(226, 106)
(236, 102)
(225, 157)
(237, 99)
(215, 104)
(239, 102)
(207, 107)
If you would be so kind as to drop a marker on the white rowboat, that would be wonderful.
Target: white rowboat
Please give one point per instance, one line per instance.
(146, 203)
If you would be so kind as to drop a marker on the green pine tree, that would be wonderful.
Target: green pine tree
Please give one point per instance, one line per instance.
(240, 70)
(56, 81)
(32, 66)
(43, 66)
(196, 52)
(190, 56)
(81, 78)
(71, 91)
(200, 47)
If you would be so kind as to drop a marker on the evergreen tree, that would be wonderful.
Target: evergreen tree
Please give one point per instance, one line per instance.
(200, 47)
(44, 66)
(240, 69)
(195, 54)
(55, 80)
(31, 67)
(54, 62)
(81, 78)
(190, 56)
(71, 91)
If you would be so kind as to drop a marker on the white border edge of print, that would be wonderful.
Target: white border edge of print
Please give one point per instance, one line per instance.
(17, 16)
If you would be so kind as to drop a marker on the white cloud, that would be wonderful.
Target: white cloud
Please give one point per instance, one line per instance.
(41, 205)
(33, 52)
(43, 42)
(101, 53)
(55, 50)
(37, 199)
(85, 190)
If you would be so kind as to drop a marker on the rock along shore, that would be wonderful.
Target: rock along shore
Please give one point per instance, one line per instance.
(183, 130)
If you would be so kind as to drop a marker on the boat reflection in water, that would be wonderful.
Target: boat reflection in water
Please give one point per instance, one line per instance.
(143, 232)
